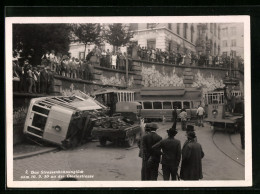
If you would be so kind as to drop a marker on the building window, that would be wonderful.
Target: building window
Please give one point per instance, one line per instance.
(178, 29)
(218, 49)
(81, 55)
(215, 29)
(151, 43)
(170, 26)
(191, 33)
(215, 48)
(224, 32)
(233, 31)
(211, 27)
(224, 43)
(233, 54)
(185, 26)
(218, 32)
(233, 42)
(151, 25)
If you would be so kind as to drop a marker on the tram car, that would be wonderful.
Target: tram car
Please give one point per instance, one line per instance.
(158, 102)
(65, 121)
(223, 113)
(119, 102)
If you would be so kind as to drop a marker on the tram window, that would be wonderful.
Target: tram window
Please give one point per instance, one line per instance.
(157, 105)
(186, 105)
(147, 105)
(167, 105)
(178, 104)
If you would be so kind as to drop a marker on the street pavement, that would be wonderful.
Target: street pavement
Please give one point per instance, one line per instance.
(224, 160)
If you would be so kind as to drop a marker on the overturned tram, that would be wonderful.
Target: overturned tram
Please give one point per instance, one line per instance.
(66, 121)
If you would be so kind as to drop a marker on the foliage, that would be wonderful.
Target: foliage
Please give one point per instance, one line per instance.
(36, 39)
(87, 33)
(117, 34)
(19, 115)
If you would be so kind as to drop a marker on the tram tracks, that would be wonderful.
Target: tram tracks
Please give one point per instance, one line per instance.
(222, 151)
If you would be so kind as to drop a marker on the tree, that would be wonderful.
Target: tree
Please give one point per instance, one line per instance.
(36, 39)
(87, 33)
(117, 34)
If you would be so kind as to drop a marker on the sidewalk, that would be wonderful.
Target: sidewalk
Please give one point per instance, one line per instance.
(28, 149)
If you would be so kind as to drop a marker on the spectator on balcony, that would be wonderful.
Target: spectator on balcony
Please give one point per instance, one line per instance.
(90, 54)
(210, 61)
(113, 60)
(36, 73)
(45, 59)
(139, 52)
(29, 79)
(149, 53)
(130, 62)
(58, 64)
(50, 80)
(103, 58)
(153, 55)
(121, 64)
(76, 68)
(108, 58)
(64, 65)
(53, 61)
(43, 79)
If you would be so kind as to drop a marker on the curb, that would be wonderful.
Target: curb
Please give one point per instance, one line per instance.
(30, 154)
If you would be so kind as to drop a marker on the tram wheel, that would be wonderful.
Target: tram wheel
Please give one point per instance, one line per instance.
(102, 141)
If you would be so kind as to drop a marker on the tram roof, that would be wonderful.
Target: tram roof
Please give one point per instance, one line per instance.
(105, 91)
(166, 91)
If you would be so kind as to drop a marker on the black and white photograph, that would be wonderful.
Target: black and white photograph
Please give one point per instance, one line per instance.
(124, 102)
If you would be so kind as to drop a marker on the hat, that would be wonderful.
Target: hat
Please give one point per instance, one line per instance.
(151, 126)
(191, 134)
(172, 131)
(190, 128)
(48, 68)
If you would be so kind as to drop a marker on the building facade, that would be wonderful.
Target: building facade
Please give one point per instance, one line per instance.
(232, 39)
(180, 37)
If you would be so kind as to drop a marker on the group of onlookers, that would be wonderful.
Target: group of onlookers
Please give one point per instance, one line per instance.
(183, 58)
(67, 66)
(31, 79)
(155, 150)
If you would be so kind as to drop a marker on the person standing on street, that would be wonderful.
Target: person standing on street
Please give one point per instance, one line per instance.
(151, 156)
(200, 114)
(192, 153)
(183, 115)
(174, 117)
(145, 129)
(171, 154)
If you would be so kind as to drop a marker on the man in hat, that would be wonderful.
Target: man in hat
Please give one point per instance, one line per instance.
(151, 156)
(145, 131)
(174, 117)
(192, 153)
(171, 154)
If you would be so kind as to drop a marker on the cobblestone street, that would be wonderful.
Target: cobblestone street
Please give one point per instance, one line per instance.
(93, 162)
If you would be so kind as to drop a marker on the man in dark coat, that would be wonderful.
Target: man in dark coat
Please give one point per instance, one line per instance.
(140, 145)
(174, 117)
(171, 155)
(192, 153)
(151, 156)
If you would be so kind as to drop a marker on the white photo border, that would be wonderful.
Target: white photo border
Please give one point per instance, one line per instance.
(9, 21)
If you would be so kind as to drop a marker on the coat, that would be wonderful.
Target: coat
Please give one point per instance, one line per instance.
(171, 151)
(148, 140)
(191, 167)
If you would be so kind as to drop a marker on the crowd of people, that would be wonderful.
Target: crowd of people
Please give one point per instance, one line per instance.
(154, 149)
(184, 58)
